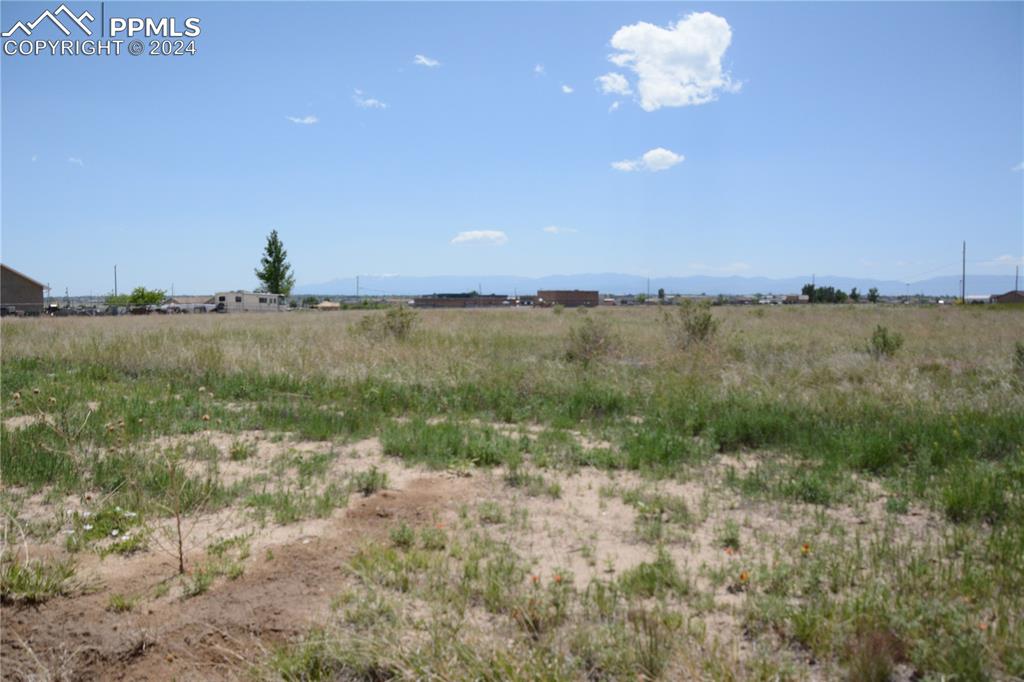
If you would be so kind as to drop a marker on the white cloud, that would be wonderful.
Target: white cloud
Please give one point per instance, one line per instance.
(1006, 260)
(736, 266)
(567, 89)
(1018, 168)
(677, 66)
(555, 229)
(74, 160)
(304, 120)
(423, 60)
(35, 158)
(496, 237)
(614, 84)
(538, 69)
(657, 159)
(614, 106)
(367, 102)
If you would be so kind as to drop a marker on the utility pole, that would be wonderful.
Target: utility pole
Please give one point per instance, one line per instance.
(1016, 278)
(357, 286)
(115, 281)
(963, 275)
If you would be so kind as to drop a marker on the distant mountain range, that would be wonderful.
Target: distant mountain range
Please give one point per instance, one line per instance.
(617, 283)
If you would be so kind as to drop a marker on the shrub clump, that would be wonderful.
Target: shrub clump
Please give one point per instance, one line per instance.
(884, 343)
(396, 323)
(691, 323)
(591, 340)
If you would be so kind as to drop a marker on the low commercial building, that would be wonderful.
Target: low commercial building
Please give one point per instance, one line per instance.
(570, 298)
(19, 293)
(470, 300)
(247, 301)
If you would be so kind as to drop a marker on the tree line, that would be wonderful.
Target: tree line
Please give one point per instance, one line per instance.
(816, 294)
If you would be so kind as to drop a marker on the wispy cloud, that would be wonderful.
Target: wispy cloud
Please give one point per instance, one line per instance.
(657, 159)
(35, 157)
(361, 100)
(423, 60)
(567, 89)
(676, 66)
(728, 268)
(1018, 168)
(614, 106)
(75, 161)
(538, 69)
(614, 84)
(1005, 261)
(555, 229)
(303, 120)
(496, 237)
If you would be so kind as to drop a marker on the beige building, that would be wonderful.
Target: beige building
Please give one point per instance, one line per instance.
(247, 301)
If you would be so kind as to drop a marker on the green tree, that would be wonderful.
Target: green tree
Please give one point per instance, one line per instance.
(661, 295)
(142, 296)
(873, 295)
(854, 295)
(118, 300)
(274, 273)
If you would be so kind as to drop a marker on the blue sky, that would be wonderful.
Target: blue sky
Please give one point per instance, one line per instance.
(860, 139)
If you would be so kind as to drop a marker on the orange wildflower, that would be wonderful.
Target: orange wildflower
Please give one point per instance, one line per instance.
(744, 576)
(806, 549)
(558, 578)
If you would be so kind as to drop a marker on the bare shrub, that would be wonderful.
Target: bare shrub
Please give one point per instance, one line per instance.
(396, 323)
(691, 323)
(591, 340)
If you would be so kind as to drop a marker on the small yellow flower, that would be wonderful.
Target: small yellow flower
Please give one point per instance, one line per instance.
(744, 576)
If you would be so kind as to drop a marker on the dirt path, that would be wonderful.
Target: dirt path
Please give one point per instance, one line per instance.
(213, 635)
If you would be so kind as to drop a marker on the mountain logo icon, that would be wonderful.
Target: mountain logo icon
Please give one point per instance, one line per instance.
(77, 20)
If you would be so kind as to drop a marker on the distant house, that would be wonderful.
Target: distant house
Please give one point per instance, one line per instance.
(796, 298)
(574, 298)
(978, 299)
(1016, 296)
(327, 305)
(19, 293)
(247, 301)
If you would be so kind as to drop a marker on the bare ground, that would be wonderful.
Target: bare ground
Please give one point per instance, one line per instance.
(588, 532)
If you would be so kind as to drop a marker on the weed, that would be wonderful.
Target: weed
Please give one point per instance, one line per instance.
(654, 579)
(729, 536)
(121, 603)
(396, 323)
(242, 450)
(370, 481)
(34, 581)
(403, 536)
(590, 340)
(884, 343)
(691, 323)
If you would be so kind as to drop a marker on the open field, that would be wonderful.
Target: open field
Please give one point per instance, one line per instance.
(515, 494)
